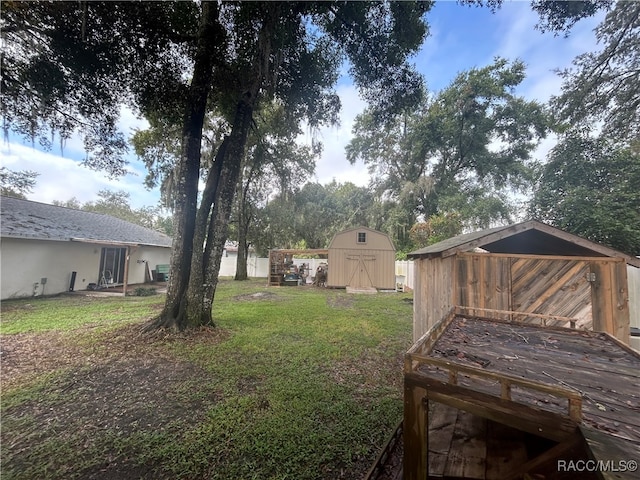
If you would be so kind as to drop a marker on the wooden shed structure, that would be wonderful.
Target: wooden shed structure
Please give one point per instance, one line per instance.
(281, 262)
(528, 272)
(361, 258)
(495, 400)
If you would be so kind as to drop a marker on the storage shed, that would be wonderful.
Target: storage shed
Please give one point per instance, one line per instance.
(361, 258)
(530, 272)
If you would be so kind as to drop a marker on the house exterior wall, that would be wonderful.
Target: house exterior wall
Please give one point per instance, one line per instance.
(25, 262)
(139, 255)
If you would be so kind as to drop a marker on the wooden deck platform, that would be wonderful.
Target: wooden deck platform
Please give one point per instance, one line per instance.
(497, 399)
(465, 446)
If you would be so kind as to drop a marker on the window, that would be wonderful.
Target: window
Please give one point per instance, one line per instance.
(362, 237)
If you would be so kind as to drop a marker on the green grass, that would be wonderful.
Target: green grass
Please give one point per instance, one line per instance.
(65, 313)
(301, 383)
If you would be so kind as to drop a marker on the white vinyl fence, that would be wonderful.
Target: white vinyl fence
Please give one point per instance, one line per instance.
(259, 268)
(633, 277)
(256, 267)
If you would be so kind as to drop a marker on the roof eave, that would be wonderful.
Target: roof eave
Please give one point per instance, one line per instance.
(118, 243)
(514, 229)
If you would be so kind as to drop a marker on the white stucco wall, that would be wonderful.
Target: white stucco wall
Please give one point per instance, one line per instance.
(24, 263)
(152, 255)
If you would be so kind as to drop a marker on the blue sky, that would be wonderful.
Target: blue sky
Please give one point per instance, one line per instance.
(460, 38)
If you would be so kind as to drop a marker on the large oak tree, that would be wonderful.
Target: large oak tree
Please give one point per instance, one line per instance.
(71, 65)
(462, 150)
(591, 187)
(601, 92)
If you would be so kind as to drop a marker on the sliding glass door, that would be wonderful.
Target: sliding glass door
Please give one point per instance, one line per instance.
(112, 261)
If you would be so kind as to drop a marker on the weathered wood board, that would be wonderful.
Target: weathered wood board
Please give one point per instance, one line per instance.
(474, 365)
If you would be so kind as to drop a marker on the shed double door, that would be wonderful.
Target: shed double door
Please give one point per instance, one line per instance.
(361, 270)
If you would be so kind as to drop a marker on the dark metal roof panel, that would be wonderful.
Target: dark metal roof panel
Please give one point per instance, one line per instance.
(526, 238)
(33, 220)
(453, 242)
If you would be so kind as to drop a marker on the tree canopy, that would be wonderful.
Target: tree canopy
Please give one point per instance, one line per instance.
(68, 67)
(601, 92)
(591, 187)
(175, 62)
(17, 183)
(459, 150)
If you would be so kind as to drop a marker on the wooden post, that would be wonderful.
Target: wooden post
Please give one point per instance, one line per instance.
(415, 433)
(609, 298)
(126, 272)
(505, 391)
(575, 409)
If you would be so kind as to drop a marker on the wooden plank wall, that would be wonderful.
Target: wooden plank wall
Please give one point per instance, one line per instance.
(592, 290)
(555, 287)
(433, 292)
(610, 298)
(483, 281)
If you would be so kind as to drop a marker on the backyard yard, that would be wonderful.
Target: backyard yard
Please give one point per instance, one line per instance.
(294, 383)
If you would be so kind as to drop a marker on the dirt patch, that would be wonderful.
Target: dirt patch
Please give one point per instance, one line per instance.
(26, 355)
(124, 396)
(123, 384)
(253, 297)
(340, 300)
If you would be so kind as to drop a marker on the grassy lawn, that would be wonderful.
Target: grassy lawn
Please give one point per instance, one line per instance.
(295, 383)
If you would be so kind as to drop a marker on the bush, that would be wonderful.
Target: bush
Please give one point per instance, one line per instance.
(144, 292)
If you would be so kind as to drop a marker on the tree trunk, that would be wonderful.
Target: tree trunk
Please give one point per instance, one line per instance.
(199, 258)
(218, 226)
(243, 225)
(230, 170)
(190, 298)
(188, 170)
(243, 250)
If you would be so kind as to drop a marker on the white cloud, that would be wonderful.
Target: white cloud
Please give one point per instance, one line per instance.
(61, 175)
(333, 163)
(62, 178)
(129, 122)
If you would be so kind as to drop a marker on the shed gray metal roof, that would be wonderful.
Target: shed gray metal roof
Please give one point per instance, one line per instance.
(526, 238)
(26, 219)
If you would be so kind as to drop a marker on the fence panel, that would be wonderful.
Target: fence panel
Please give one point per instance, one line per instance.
(258, 267)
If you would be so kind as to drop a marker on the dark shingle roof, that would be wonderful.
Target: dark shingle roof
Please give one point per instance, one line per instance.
(27, 219)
